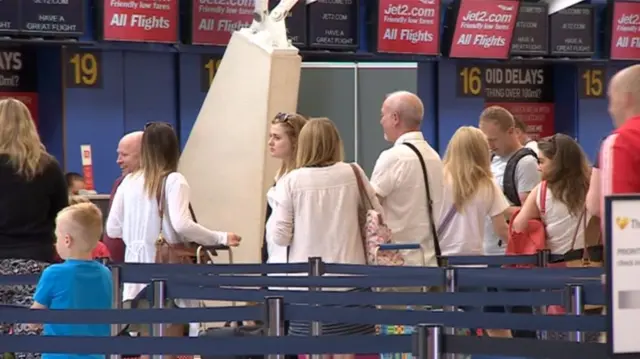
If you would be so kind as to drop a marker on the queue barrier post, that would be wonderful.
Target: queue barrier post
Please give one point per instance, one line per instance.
(543, 258)
(316, 269)
(574, 305)
(116, 302)
(159, 299)
(451, 286)
(275, 321)
(427, 342)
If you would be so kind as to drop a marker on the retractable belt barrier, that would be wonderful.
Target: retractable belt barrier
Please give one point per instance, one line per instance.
(571, 288)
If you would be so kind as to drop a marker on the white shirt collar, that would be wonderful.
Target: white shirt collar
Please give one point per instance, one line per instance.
(409, 137)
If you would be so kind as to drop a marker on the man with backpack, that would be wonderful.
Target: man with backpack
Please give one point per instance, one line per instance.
(515, 169)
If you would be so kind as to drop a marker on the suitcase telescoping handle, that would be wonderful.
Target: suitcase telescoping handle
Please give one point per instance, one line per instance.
(397, 247)
(212, 251)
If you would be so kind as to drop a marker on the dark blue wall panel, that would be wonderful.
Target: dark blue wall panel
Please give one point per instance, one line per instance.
(453, 111)
(566, 96)
(191, 96)
(594, 121)
(149, 89)
(50, 109)
(96, 117)
(427, 90)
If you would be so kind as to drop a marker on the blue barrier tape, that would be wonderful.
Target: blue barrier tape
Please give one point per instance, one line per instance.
(417, 271)
(19, 279)
(492, 260)
(523, 348)
(374, 298)
(374, 270)
(448, 319)
(304, 281)
(127, 316)
(476, 279)
(313, 345)
(142, 273)
(469, 277)
(149, 270)
(588, 273)
(308, 313)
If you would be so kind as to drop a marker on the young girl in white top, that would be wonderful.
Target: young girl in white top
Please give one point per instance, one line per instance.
(283, 145)
(134, 214)
(565, 170)
(317, 211)
(470, 195)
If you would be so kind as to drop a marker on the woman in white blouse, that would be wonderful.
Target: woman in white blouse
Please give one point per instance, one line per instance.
(317, 211)
(470, 196)
(565, 170)
(283, 145)
(134, 214)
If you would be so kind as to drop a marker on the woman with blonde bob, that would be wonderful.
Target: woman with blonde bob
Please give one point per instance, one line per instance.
(471, 195)
(34, 189)
(317, 211)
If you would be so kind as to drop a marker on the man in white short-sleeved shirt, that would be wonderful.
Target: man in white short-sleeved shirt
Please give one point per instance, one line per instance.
(399, 181)
(498, 125)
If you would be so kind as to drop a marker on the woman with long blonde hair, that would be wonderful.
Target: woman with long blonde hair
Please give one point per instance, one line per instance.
(283, 145)
(34, 189)
(471, 195)
(154, 202)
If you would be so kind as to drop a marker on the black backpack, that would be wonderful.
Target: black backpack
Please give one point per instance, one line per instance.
(509, 186)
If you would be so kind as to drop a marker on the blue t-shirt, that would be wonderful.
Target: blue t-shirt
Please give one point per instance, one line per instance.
(75, 284)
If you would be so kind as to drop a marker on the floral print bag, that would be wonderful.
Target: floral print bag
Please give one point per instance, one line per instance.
(373, 229)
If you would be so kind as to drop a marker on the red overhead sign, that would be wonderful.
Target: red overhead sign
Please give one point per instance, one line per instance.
(409, 26)
(140, 20)
(625, 31)
(213, 21)
(484, 29)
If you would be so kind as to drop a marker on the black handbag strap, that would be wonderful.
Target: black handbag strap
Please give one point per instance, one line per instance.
(434, 232)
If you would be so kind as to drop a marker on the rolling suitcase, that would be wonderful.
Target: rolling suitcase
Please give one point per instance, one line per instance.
(210, 253)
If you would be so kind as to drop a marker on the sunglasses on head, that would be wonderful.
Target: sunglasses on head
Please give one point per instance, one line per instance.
(283, 117)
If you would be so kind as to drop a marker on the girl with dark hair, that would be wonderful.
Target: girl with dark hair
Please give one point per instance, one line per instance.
(565, 182)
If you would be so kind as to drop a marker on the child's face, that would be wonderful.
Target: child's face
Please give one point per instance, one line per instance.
(77, 185)
(63, 240)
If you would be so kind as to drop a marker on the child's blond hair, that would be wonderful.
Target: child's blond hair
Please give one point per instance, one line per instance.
(83, 222)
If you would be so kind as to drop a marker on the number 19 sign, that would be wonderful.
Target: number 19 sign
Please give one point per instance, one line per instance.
(83, 69)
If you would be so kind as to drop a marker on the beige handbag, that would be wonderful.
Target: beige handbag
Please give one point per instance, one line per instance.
(592, 247)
